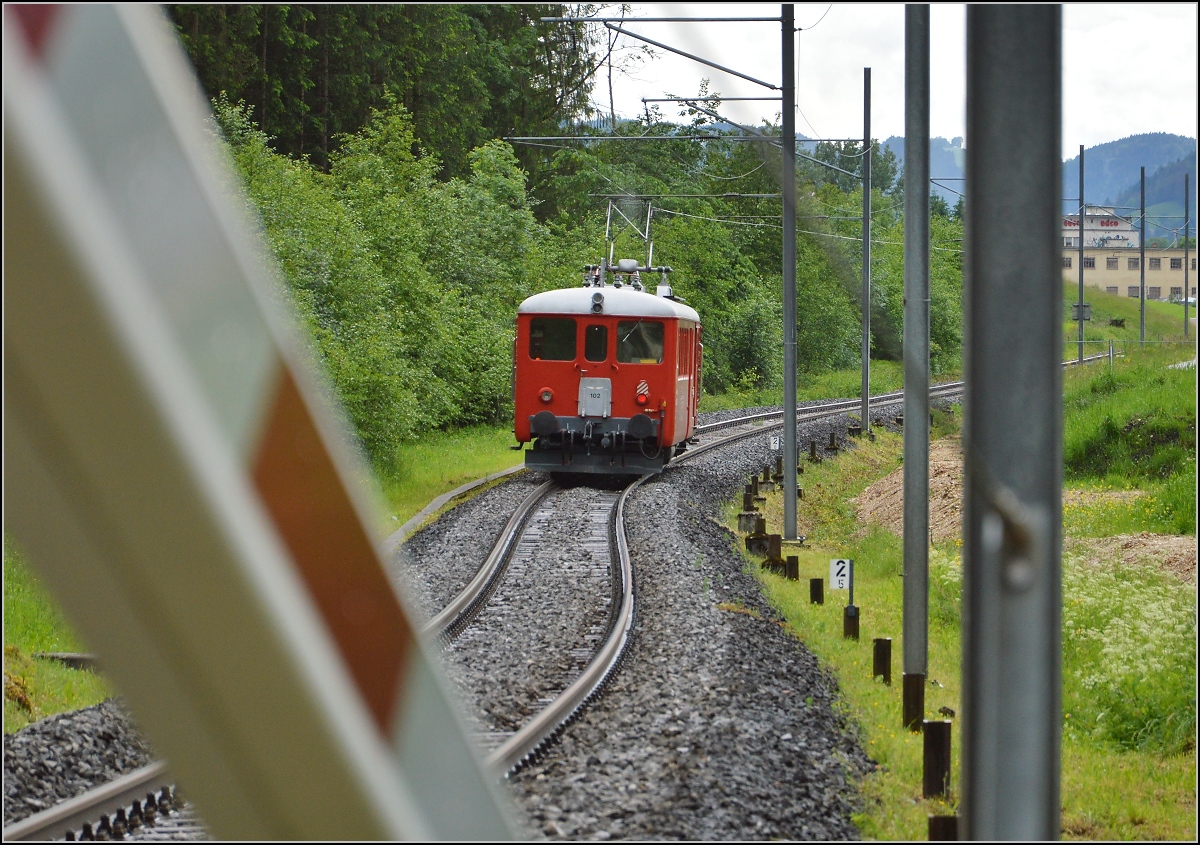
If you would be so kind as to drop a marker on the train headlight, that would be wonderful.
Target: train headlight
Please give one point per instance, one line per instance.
(597, 302)
(546, 395)
(642, 399)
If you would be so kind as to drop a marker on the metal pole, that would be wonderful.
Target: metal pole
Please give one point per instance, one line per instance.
(866, 253)
(1142, 265)
(1012, 434)
(788, 168)
(916, 362)
(1082, 217)
(1186, 288)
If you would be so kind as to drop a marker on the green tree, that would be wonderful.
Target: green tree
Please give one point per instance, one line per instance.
(848, 157)
(938, 207)
(466, 73)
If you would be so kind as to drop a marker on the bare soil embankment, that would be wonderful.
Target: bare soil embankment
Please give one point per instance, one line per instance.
(883, 503)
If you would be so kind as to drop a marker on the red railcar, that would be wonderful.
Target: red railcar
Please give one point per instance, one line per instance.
(606, 377)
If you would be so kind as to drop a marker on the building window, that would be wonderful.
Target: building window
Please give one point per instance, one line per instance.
(1110, 263)
(1113, 290)
(1155, 263)
(1068, 242)
(1176, 263)
(1177, 293)
(1066, 263)
(1089, 263)
(1133, 291)
(1193, 264)
(1133, 263)
(1154, 293)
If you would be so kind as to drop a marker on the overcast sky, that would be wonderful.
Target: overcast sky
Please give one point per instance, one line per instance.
(1127, 69)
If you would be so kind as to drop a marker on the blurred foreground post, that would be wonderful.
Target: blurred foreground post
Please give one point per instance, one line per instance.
(176, 471)
(1012, 432)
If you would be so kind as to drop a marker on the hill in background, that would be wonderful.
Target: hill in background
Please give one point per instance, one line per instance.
(1111, 174)
(1111, 171)
(947, 160)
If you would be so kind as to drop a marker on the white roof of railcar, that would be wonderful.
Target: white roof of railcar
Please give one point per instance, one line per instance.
(618, 302)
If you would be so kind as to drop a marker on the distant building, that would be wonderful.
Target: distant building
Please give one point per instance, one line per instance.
(1102, 227)
(1118, 270)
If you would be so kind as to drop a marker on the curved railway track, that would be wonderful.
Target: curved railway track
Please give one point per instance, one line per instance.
(134, 794)
(141, 805)
(526, 742)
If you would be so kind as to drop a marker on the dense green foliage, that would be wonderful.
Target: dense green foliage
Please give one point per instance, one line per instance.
(406, 284)
(466, 72)
(1129, 658)
(408, 281)
(407, 233)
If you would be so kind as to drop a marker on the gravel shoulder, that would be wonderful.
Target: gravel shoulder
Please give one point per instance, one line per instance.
(61, 756)
(719, 725)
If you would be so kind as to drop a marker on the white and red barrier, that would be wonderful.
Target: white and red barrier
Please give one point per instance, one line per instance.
(175, 470)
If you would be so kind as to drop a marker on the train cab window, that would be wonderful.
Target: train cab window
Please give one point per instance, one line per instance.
(595, 343)
(552, 338)
(639, 342)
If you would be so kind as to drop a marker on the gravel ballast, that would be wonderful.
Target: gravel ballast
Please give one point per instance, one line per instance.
(719, 725)
(62, 756)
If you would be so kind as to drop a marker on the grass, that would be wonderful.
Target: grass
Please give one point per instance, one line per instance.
(34, 687)
(1164, 322)
(891, 795)
(1132, 426)
(1129, 649)
(885, 377)
(441, 462)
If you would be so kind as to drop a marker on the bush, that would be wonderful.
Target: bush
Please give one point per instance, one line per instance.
(1129, 656)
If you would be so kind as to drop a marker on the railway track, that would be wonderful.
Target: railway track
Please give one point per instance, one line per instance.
(516, 749)
(175, 821)
(143, 805)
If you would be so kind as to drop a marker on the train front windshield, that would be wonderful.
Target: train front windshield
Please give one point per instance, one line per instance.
(639, 342)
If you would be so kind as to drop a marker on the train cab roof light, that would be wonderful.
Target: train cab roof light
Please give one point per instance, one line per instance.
(597, 302)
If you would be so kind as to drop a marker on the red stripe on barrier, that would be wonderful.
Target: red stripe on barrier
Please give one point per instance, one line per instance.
(36, 21)
(303, 492)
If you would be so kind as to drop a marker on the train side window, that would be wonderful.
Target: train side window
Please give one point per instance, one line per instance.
(639, 342)
(552, 338)
(595, 343)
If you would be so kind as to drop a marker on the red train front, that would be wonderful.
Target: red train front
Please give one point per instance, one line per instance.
(606, 377)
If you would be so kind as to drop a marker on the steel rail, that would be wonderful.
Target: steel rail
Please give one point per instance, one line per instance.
(832, 407)
(542, 728)
(87, 807)
(457, 615)
(526, 741)
(882, 399)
